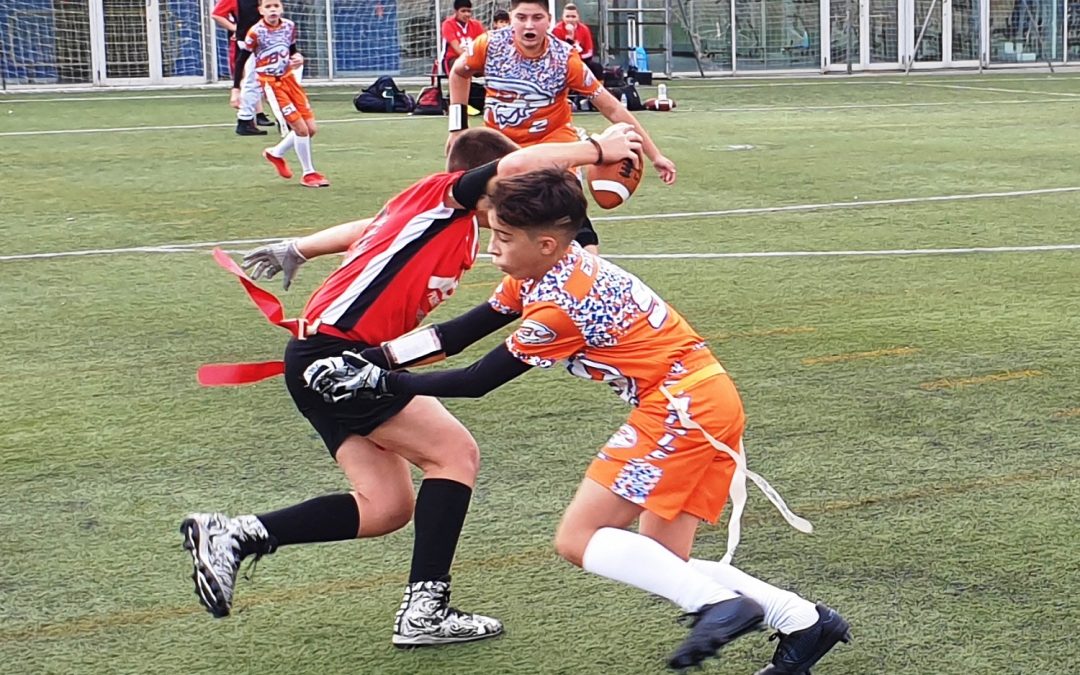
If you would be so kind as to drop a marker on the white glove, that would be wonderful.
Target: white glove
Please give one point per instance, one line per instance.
(345, 377)
(265, 262)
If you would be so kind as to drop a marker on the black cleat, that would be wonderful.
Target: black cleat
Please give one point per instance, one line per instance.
(714, 626)
(800, 650)
(263, 121)
(248, 128)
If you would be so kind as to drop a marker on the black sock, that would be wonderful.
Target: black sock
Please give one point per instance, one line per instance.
(328, 518)
(441, 506)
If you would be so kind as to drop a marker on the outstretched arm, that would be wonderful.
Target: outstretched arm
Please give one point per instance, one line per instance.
(615, 111)
(288, 255)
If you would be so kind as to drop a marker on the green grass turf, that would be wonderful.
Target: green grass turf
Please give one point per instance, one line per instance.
(945, 494)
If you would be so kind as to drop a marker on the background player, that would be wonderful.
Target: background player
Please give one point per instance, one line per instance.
(458, 32)
(273, 42)
(528, 77)
(237, 17)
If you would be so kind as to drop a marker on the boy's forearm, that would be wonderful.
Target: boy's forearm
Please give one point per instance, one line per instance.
(336, 239)
(549, 155)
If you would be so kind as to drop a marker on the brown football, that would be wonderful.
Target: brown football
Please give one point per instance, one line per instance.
(612, 184)
(665, 105)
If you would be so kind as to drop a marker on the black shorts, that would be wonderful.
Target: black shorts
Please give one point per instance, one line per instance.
(334, 421)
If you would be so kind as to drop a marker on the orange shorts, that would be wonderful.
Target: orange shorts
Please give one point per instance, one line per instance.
(290, 97)
(654, 462)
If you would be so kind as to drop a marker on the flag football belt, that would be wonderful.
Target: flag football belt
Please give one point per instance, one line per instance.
(737, 490)
(224, 374)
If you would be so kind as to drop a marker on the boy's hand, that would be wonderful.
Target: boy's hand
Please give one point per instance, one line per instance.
(234, 98)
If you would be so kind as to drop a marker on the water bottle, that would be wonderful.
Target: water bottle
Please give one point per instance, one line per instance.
(661, 92)
(641, 59)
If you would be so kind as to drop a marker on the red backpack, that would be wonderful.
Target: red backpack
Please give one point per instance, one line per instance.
(430, 102)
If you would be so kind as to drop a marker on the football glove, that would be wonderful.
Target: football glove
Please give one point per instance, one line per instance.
(267, 261)
(346, 377)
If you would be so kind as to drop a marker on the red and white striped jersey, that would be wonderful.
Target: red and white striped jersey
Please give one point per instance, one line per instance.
(408, 260)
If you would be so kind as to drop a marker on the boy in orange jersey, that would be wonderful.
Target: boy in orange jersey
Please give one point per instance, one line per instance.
(673, 462)
(528, 76)
(273, 42)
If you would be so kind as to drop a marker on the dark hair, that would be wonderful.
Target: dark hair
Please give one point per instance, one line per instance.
(571, 6)
(476, 147)
(515, 3)
(459, 4)
(501, 15)
(548, 199)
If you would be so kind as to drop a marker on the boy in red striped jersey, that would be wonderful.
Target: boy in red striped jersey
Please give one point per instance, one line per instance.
(398, 266)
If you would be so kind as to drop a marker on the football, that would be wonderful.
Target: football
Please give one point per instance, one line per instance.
(612, 184)
(663, 104)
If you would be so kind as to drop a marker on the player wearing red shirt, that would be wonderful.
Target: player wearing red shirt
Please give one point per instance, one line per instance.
(458, 32)
(398, 266)
(671, 464)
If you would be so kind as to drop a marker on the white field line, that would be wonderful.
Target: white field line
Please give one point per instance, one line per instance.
(720, 83)
(879, 252)
(202, 246)
(103, 130)
(221, 92)
(990, 89)
(840, 205)
(399, 118)
(871, 106)
(1037, 248)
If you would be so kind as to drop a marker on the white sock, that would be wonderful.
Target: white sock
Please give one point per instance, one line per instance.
(285, 145)
(784, 610)
(644, 563)
(303, 151)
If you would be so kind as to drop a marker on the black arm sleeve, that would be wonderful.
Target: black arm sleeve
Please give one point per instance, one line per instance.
(473, 184)
(587, 236)
(457, 333)
(492, 371)
(293, 49)
(242, 56)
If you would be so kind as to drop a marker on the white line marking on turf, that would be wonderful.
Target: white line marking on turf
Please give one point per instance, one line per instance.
(990, 89)
(870, 106)
(1039, 248)
(173, 127)
(880, 252)
(840, 205)
(399, 118)
(201, 246)
(720, 83)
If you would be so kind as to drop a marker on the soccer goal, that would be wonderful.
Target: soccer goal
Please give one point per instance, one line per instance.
(138, 43)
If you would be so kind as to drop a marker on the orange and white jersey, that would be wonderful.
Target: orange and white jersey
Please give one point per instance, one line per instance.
(270, 45)
(603, 322)
(527, 98)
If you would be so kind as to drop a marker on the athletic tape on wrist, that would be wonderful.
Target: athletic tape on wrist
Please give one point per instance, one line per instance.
(416, 348)
(459, 117)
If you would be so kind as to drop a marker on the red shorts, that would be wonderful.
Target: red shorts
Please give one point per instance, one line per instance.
(289, 95)
(654, 462)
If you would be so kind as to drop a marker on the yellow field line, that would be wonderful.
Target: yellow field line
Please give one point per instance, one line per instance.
(855, 356)
(955, 383)
(1071, 412)
(529, 557)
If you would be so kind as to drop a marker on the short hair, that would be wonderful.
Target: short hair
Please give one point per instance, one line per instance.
(459, 4)
(548, 199)
(570, 6)
(514, 4)
(476, 147)
(501, 15)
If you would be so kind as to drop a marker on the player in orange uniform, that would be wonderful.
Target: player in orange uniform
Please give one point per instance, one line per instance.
(528, 76)
(273, 43)
(671, 465)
